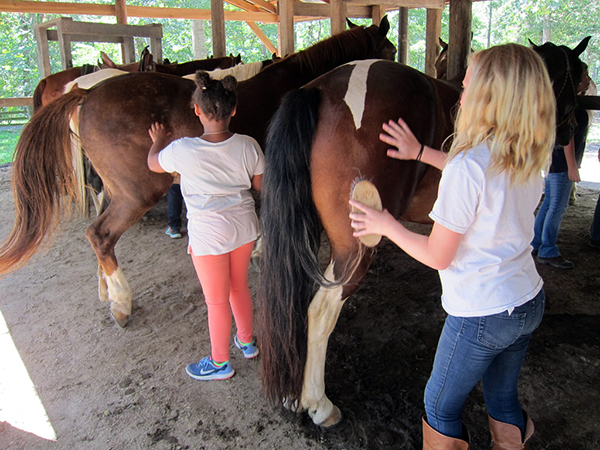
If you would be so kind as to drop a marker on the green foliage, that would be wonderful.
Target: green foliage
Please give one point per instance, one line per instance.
(8, 141)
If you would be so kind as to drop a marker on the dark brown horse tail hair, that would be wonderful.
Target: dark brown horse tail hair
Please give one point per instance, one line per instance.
(291, 238)
(37, 95)
(42, 175)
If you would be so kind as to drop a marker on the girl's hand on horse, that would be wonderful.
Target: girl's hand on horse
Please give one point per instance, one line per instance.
(371, 221)
(400, 136)
(158, 132)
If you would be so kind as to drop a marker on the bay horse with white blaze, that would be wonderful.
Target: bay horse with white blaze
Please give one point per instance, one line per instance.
(114, 118)
(322, 140)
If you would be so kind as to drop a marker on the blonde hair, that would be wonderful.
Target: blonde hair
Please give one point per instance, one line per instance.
(508, 104)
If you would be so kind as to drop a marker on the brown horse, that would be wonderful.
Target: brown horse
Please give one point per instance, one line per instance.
(322, 140)
(114, 119)
(53, 86)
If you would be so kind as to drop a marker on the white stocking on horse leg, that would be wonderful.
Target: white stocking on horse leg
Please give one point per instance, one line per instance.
(119, 295)
(323, 314)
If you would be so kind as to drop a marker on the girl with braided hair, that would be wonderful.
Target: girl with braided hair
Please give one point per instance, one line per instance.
(217, 170)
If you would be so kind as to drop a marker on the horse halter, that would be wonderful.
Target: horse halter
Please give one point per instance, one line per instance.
(568, 78)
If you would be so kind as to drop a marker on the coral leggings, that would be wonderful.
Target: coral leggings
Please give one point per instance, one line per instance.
(224, 280)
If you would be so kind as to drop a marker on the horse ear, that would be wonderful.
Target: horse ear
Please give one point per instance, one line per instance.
(107, 61)
(443, 44)
(384, 26)
(532, 45)
(350, 24)
(582, 46)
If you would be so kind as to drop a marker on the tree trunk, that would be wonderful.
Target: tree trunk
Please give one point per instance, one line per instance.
(199, 39)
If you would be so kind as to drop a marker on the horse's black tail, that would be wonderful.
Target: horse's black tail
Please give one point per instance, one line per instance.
(291, 237)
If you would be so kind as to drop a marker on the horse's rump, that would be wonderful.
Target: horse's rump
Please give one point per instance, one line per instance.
(309, 173)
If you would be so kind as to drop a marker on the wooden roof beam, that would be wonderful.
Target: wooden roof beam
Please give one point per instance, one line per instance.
(29, 6)
(323, 10)
(395, 4)
(263, 37)
(263, 4)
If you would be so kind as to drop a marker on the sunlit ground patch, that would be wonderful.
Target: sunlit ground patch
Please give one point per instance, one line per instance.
(20, 406)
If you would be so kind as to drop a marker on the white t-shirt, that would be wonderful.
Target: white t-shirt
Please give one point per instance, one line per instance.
(493, 270)
(215, 183)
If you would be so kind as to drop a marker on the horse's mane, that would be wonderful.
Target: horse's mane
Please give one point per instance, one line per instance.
(332, 49)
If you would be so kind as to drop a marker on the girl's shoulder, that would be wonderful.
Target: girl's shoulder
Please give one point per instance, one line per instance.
(245, 138)
(478, 156)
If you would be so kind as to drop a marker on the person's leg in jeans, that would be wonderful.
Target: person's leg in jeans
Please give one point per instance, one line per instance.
(174, 207)
(550, 216)
(595, 228)
(466, 352)
(500, 381)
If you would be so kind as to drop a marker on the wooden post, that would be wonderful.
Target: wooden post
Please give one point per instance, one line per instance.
(156, 43)
(64, 43)
(403, 35)
(459, 44)
(377, 13)
(434, 31)
(128, 46)
(218, 28)
(286, 27)
(338, 16)
(41, 36)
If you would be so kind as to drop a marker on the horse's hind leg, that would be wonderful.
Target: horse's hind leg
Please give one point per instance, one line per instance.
(323, 313)
(103, 234)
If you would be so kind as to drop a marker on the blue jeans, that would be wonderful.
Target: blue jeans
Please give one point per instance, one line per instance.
(174, 206)
(490, 349)
(551, 213)
(595, 228)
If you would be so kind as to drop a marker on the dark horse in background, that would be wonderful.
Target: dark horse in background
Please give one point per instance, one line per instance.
(114, 118)
(322, 140)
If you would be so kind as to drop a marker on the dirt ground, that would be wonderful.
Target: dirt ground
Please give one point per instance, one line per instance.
(107, 388)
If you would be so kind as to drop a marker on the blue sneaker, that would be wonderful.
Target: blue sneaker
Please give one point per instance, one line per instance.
(206, 370)
(250, 350)
(173, 234)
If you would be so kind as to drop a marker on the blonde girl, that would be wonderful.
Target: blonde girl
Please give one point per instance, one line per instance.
(480, 241)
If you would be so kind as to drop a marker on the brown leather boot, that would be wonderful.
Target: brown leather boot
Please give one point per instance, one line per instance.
(432, 440)
(508, 437)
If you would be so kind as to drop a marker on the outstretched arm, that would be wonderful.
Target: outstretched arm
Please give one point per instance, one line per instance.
(408, 147)
(436, 250)
(160, 139)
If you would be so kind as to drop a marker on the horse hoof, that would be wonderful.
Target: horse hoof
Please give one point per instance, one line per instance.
(333, 419)
(120, 318)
